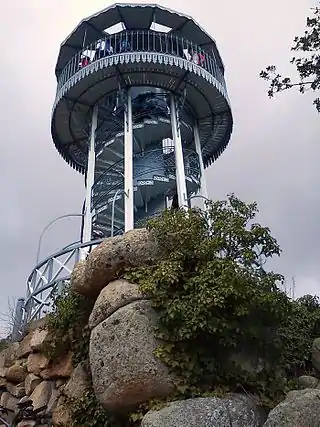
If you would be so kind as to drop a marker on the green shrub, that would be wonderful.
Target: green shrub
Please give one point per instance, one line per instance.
(216, 299)
(68, 324)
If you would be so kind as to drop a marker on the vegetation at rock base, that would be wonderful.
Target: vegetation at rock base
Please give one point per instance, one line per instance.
(308, 67)
(68, 324)
(219, 305)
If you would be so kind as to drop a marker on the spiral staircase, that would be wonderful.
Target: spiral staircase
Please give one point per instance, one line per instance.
(153, 162)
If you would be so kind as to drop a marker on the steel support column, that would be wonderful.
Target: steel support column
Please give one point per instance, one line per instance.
(87, 222)
(180, 172)
(203, 185)
(128, 165)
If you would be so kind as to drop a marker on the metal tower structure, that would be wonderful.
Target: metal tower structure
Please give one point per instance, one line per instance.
(141, 110)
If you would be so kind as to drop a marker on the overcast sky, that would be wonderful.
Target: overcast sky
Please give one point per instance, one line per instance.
(272, 158)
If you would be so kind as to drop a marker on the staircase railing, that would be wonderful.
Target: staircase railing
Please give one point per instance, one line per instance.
(46, 278)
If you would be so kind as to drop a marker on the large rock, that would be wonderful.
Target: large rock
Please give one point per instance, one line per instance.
(41, 394)
(17, 390)
(52, 404)
(36, 362)
(235, 411)
(9, 355)
(78, 383)
(316, 354)
(108, 260)
(60, 368)
(16, 373)
(123, 367)
(78, 283)
(24, 346)
(31, 383)
(307, 381)
(8, 401)
(36, 324)
(117, 294)
(301, 408)
(39, 338)
(4, 399)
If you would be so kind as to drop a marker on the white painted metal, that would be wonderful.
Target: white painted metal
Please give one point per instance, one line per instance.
(87, 225)
(128, 166)
(203, 192)
(112, 212)
(50, 275)
(180, 172)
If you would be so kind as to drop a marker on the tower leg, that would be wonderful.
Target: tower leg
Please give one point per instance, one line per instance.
(87, 222)
(180, 172)
(203, 185)
(128, 166)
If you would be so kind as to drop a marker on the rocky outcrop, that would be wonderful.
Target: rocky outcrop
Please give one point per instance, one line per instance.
(16, 390)
(25, 371)
(42, 394)
(36, 362)
(235, 411)
(78, 383)
(9, 355)
(108, 260)
(307, 381)
(301, 408)
(39, 339)
(31, 383)
(114, 296)
(124, 369)
(61, 368)
(78, 281)
(16, 373)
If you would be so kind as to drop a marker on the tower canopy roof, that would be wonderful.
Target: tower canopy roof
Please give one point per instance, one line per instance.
(133, 16)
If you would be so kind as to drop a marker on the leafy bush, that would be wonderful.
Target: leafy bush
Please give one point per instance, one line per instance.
(88, 412)
(68, 325)
(216, 299)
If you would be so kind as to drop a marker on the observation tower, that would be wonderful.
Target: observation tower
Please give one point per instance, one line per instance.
(141, 110)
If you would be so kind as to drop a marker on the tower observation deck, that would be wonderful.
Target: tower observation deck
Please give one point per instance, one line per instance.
(141, 110)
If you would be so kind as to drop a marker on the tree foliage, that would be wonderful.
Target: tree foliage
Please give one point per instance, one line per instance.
(307, 62)
(217, 299)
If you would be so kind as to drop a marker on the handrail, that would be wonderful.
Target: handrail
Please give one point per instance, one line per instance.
(140, 41)
(188, 153)
(46, 276)
(64, 251)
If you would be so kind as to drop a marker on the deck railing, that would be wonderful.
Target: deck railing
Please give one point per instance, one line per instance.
(141, 41)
